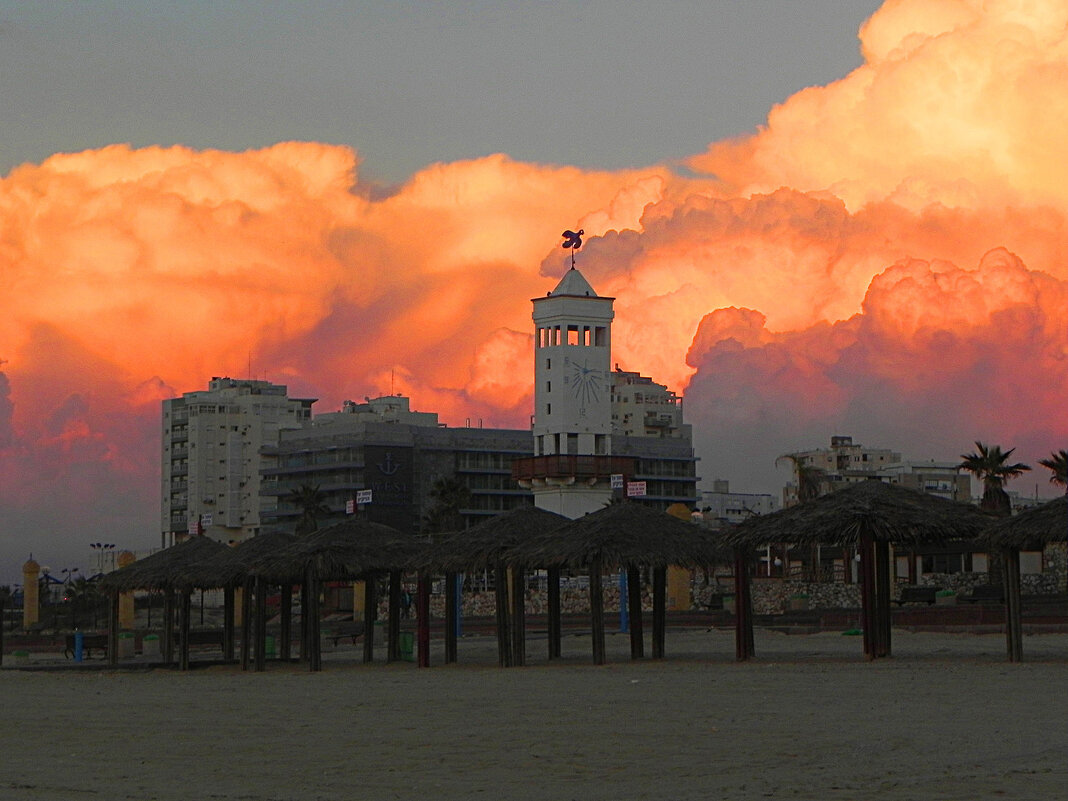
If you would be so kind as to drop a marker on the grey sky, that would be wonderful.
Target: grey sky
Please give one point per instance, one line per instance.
(595, 84)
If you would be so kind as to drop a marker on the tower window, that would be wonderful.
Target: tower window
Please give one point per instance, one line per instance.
(548, 386)
(572, 335)
(586, 336)
(600, 336)
(548, 408)
(548, 364)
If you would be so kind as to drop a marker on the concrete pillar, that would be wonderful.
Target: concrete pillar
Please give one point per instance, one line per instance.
(678, 589)
(31, 595)
(126, 600)
(358, 590)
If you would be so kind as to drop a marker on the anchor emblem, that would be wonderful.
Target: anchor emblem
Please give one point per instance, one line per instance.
(387, 466)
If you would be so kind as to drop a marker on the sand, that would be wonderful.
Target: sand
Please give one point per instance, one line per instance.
(946, 718)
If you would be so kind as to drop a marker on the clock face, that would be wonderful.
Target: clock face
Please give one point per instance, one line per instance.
(587, 383)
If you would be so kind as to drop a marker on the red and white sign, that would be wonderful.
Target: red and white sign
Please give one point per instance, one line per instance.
(635, 489)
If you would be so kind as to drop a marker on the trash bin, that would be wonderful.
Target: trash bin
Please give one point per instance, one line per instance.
(126, 645)
(150, 646)
(407, 646)
(268, 646)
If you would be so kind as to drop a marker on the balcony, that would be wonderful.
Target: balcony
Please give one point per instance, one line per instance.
(571, 466)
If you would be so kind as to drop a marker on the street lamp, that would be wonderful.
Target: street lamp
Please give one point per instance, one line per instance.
(103, 552)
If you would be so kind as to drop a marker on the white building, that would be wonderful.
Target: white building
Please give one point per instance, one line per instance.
(210, 465)
(720, 506)
(591, 422)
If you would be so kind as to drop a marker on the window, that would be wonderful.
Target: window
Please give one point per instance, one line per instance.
(572, 335)
(548, 408)
(600, 336)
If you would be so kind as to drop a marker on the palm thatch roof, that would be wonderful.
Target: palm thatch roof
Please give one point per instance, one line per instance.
(1031, 529)
(483, 545)
(191, 564)
(621, 535)
(886, 512)
(341, 552)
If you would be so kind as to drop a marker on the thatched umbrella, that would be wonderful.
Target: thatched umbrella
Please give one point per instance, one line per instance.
(351, 549)
(627, 536)
(1029, 530)
(484, 547)
(191, 564)
(870, 515)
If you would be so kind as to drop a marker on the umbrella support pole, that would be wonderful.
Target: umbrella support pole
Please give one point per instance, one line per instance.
(500, 597)
(659, 611)
(1013, 622)
(634, 604)
(519, 621)
(370, 612)
(597, 612)
(553, 590)
(451, 616)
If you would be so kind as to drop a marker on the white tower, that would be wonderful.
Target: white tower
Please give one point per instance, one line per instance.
(572, 395)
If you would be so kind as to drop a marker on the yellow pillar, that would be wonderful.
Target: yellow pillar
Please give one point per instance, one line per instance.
(126, 600)
(239, 607)
(678, 579)
(357, 599)
(31, 596)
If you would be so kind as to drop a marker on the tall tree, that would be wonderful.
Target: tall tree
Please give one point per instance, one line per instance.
(809, 478)
(1058, 463)
(991, 465)
(311, 503)
(450, 495)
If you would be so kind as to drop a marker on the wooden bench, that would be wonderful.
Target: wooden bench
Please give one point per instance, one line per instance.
(89, 642)
(344, 631)
(201, 637)
(984, 593)
(915, 594)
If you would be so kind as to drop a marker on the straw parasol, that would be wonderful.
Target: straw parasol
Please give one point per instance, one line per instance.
(870, 515)
(484, 547)
(348, 550)
(628, 536)
(1030, 529)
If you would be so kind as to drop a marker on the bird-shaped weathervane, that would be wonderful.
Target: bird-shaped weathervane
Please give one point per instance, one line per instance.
(573, 241)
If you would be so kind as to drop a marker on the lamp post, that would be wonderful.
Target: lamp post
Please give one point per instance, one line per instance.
(103, 556)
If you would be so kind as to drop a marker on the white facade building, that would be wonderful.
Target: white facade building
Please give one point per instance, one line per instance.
(210, 466)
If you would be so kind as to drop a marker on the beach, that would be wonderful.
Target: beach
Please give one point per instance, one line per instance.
(946, 718)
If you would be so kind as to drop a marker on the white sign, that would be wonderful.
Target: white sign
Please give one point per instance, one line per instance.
(363, 496)
(635, 489)
(206, 519)
(350, 507)
(617, 481)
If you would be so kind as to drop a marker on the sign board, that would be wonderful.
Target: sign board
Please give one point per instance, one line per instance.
(350, 507)
(194, 528)
(635, 489)
(206, 519)
(617, 481)
(363, 496)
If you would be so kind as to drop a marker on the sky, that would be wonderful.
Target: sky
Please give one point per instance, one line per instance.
(817, 218)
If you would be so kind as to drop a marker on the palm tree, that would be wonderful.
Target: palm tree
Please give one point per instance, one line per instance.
(809, 478)
(310, 501)
(991, 465)
(1058, 463)
(450, 495)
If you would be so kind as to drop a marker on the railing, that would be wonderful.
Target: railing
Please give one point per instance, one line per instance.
(571, 465)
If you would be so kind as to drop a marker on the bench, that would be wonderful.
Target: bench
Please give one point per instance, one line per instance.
(915, 594)
(345, 631)
(201, 637)
(89, 642)
(984, 593)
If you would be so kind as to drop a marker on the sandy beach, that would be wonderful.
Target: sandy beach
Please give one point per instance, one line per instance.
(946, 718)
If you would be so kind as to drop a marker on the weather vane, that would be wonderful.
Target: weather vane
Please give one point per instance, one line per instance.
(573, 241)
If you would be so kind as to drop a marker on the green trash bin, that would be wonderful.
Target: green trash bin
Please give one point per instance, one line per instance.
(407, 646)
(268, 646)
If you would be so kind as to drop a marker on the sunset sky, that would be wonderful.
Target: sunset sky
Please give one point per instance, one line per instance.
(809, 231)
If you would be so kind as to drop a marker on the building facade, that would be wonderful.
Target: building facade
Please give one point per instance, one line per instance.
(210, 465)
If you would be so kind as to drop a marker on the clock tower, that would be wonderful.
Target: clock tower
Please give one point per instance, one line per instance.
(572, 422)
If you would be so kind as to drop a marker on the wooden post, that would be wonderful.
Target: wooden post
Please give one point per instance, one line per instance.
(422, 621)
(168, 626)
(882, 597)
(285, 623)
(228, 623)
(3, 620)
(867, 593)
(741, 579)
(451, 612)
(519, 619)
(500, 596)
(370, 612)
(260, 613)
(393, 624)
(597, 611)
(113, 629)
(659, 611)
(185, 608)
(314, 647)
(246, 624)
(553, 592)
(634, 608)
(304, 602)
(1013, 621)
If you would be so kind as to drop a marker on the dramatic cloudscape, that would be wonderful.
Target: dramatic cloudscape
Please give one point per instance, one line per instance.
(881, 254)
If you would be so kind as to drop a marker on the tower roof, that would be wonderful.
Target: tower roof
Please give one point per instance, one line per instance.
(574, 284)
